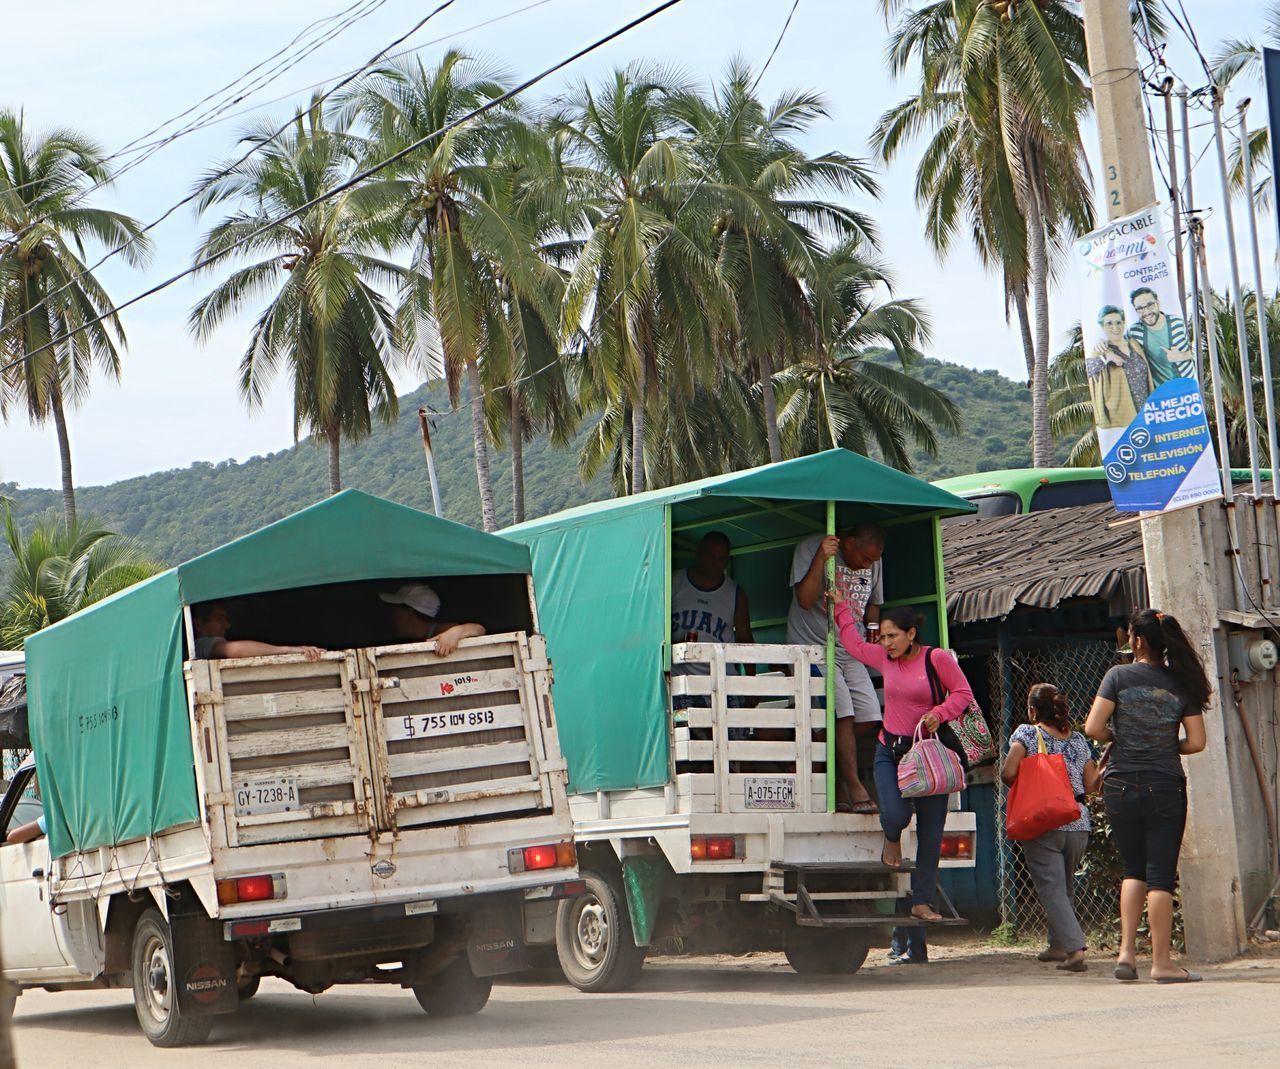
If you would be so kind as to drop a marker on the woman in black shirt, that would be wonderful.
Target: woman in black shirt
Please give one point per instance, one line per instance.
(1152, 711)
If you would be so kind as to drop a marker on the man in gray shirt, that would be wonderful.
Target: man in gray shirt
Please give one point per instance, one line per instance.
(857, 551)
(211, 621)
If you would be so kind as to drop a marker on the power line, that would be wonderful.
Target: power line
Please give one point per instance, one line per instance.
(196, 193)
(226, 117)
(140, 146)
(349, 183)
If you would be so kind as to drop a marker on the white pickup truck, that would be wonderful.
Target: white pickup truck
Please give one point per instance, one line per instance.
(380, 814)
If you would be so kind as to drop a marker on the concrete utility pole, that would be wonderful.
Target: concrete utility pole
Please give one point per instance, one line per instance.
(1179, 574)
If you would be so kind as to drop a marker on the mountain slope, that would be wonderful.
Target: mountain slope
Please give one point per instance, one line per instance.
(183, 512)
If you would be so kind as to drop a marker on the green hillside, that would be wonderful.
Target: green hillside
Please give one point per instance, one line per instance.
(183, 512)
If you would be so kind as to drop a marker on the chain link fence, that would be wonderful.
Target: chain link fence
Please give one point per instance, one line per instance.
(1076, 668)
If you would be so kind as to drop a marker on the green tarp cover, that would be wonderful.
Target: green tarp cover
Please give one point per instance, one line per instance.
(601, 576)
(108, 711)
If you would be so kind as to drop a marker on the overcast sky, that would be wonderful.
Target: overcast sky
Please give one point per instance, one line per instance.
(117, 70)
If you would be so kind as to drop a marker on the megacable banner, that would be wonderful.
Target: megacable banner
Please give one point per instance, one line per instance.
(1147, 406)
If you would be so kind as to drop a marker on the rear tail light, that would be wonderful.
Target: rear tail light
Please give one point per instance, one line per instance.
(958, 846)
(712, 848)
(549, 856)
(251, 889)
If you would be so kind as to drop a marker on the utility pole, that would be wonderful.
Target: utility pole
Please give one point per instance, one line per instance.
(1180, 574)
(424, 423)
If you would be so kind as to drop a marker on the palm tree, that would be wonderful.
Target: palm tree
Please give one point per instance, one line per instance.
(1002, 95)
(838, 394)
(58, 569)
(326, 323)
(472, 253)
(54, 314)
(645, 287)
(764, 183)
(1070, 407)
(1240, 57)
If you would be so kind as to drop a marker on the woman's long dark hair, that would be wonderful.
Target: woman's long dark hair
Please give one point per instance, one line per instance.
(903, 618)
(1048, 706)
(1166, 639)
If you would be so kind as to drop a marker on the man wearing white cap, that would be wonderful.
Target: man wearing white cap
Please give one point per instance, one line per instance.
(413, 613)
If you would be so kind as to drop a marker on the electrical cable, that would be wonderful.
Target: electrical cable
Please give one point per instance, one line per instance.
(142, 151)
(196, 193)
(341, 187)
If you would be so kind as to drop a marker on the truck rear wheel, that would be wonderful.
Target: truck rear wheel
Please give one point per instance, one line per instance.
(155, 987)
(455, 991)
(8, 999)
(594, 941)
(826, 951)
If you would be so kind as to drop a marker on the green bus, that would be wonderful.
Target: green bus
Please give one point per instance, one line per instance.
(1014, 491)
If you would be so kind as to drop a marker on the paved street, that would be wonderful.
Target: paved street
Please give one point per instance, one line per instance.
(975, 1007)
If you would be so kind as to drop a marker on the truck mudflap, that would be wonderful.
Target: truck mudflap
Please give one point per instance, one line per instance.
(205, 966)
(496, 941)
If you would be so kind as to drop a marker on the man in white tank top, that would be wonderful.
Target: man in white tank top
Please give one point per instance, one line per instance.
(707, 606)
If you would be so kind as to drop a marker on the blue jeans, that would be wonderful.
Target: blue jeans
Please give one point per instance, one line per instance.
(895, 815)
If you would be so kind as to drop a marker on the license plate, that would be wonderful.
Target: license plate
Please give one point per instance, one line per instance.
(426, 725)
(769, 792)
(274, 794)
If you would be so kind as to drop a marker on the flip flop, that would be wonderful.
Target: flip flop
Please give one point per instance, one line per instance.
(1075, 966)
(901, 864)
(1126, 972)
(1049, 955)
(1187, 977)
(867, 805)
(928, 920)
(844, 807)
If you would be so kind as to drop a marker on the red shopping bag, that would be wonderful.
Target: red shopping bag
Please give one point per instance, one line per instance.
(1041, 798)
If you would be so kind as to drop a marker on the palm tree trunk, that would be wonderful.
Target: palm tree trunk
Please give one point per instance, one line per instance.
(770, 408)
(1041, 437)
(517, 461)
(334, 439)
(637, 428)
(64, 452)
(480, 442)
(1024, 329)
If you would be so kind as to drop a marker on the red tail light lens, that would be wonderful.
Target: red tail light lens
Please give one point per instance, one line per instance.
(250, 889)
(957, 846)
(547, 856)
(708, 848)
(539, 857)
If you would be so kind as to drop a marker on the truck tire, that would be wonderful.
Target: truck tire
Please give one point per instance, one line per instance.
(155, 990)
(8, 999)
(246, 989)
(455, 991)
(594, 941)
(826, 951)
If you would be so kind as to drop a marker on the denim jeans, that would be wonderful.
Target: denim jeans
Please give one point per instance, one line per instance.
(1148, 814)
(895, 815)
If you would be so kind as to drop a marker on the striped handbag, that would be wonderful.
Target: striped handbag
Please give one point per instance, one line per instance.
(929, 767)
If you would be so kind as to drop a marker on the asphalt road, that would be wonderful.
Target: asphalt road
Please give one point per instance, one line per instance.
(976, 1007)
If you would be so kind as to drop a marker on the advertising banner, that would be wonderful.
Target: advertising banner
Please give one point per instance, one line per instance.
(1153, 435)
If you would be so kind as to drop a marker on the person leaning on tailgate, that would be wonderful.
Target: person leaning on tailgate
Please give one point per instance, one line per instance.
(211, 623)
(413, 614)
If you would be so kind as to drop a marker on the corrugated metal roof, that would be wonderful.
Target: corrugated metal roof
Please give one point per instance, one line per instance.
(1040, 560)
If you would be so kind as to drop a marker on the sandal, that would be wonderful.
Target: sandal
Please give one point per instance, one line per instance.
(1187, 977)
(867, 805)
(929, 916)
(897, 866)
(1075, 966)
(1049, 954)
(844, 807)
(1125, 972)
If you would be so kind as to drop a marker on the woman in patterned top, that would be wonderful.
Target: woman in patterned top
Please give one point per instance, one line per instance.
(1054, 856)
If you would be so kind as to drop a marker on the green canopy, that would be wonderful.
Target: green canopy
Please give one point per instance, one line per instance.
(106, 693)
(603, 571)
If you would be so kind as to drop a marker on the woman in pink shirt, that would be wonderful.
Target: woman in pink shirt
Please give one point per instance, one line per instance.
(908, 702)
